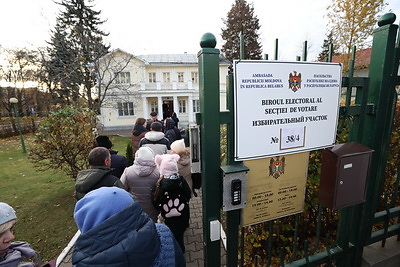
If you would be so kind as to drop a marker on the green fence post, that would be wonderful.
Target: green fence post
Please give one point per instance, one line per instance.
(232, 217)
(210, 143)
(276, 49)
(375, 134)
(305, 49)
(377, 130)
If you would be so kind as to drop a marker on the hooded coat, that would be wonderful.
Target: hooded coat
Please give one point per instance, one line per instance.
(171, 132)
(128, 238)
(93, 178)
(156, 141)
(140, 179)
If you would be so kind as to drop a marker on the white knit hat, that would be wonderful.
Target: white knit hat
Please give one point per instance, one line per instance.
(7, 213)
(145, 153)
(178, 146)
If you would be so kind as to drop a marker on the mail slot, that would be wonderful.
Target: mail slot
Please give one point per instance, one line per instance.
(344, 174)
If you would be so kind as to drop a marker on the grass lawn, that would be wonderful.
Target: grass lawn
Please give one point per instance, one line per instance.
(44, 201)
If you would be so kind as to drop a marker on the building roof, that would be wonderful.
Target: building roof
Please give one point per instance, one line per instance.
(363, 58)
(169, 59)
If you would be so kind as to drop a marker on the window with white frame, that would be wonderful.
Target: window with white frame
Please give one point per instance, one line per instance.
(123, 78)
(166, 77)
(180, 77)
(196, 106)
(152, 77)
(194, 77)
(125, 109)
(182, 106)
(154, 106)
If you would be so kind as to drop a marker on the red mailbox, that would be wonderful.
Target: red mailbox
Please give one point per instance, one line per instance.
(344, 174)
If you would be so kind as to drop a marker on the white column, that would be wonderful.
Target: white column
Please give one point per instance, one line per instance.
(145, 109)
(160, 115)
(190, 106)
(176, 106)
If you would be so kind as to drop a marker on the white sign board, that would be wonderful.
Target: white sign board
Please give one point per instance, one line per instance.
(284, 107)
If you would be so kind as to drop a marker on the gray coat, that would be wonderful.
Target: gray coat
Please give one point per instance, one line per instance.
(139, 179)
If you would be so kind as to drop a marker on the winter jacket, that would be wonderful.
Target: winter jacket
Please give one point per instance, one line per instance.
(93, 178)
(128, 238)
(156, 141)
(171, 132)
(118, 163)
(140, 179)
(17, 255)
(138, 133)
(184, 167)
(175, 118)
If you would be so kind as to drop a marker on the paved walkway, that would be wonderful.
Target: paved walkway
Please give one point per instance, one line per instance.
(194, 235)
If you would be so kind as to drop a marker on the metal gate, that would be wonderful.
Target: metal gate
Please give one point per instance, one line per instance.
(368, 111)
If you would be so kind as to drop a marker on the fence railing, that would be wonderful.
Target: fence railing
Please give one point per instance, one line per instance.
(338, 238)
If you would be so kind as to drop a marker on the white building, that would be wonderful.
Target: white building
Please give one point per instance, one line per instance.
(138, 85)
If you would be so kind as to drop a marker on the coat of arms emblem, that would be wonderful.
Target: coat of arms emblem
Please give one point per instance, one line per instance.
(295, 81)
(276, 167)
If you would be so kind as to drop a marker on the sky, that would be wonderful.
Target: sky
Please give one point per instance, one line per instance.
(176, 26)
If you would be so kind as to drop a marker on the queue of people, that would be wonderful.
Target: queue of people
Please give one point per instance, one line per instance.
(126, 214)
(148, 207)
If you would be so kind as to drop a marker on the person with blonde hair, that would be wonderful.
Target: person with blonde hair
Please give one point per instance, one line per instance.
(14, 253)
(184, 164)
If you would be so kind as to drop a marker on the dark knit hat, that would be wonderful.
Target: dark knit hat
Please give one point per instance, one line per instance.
(104, 141)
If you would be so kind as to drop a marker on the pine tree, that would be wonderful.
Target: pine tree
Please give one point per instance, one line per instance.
(325, 48)
(241, 20)
(76, 44)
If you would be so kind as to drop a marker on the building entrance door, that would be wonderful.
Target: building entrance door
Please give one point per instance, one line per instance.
(167, 108)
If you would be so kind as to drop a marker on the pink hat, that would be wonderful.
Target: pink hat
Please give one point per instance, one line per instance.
(167, 164)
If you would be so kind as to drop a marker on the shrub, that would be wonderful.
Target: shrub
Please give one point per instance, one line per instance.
(64, 140)
(129, 153)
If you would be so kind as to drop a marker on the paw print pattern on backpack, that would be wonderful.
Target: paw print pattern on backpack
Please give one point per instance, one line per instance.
(173, 208)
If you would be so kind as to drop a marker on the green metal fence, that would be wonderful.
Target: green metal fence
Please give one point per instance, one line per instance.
(367, 113)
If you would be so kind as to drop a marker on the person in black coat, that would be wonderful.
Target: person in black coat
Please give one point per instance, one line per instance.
(171, 132)
(153, 118)
(175, 118)
(118, 162)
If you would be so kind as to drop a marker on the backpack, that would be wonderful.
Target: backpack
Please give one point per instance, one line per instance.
(170, 198)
